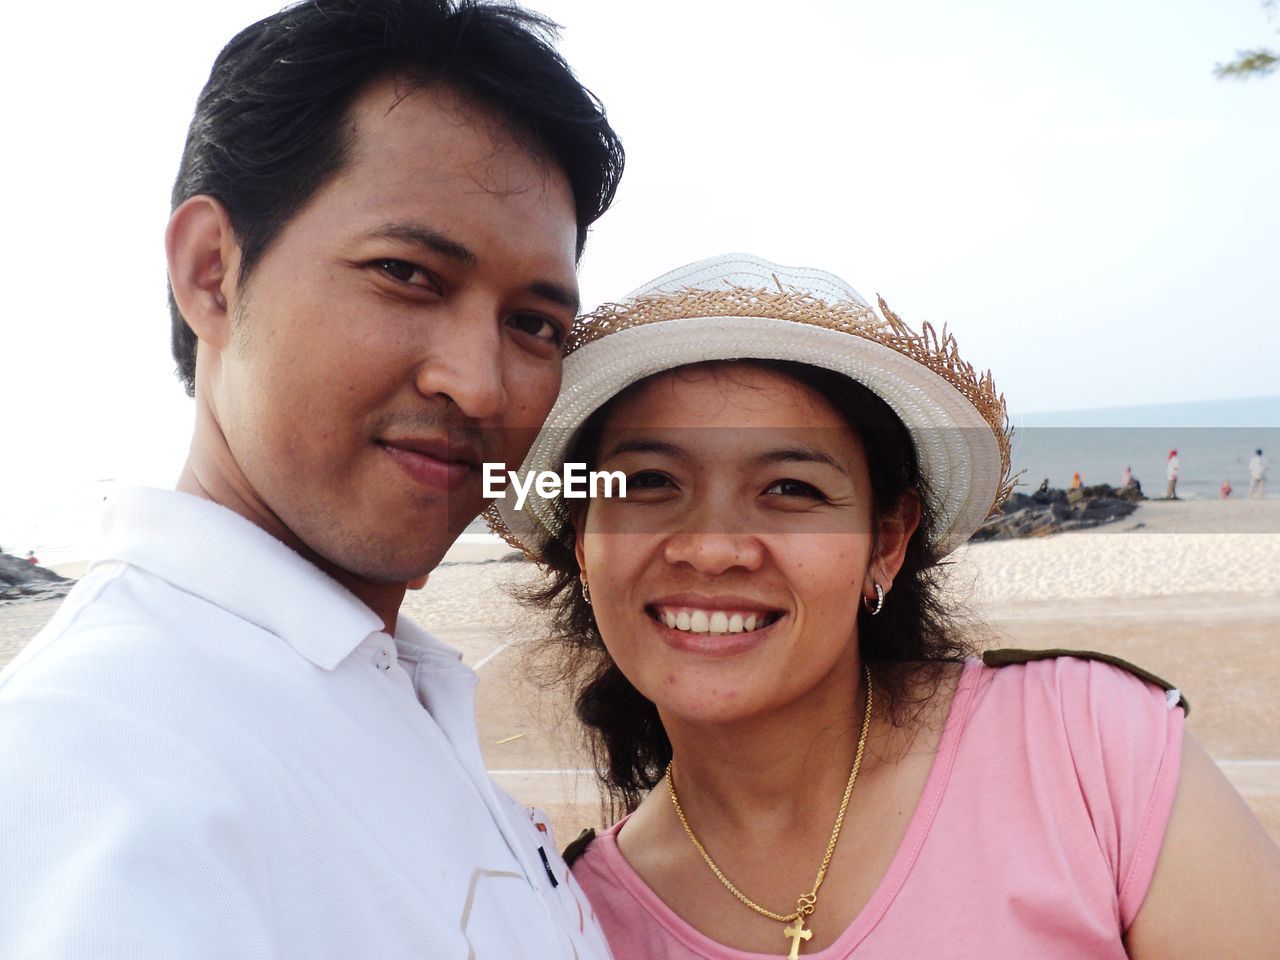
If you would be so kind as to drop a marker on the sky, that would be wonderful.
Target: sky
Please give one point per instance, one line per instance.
(1066, 187)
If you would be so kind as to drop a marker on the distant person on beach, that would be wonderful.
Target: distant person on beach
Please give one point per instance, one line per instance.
(800, 746)
(1224, 491)
(1075, 492)
(1129, 482)
(32, 559)
(1257, 475)
(1171, 474)
(228, 744)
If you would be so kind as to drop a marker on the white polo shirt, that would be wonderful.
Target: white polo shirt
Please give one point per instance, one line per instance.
(214, 751)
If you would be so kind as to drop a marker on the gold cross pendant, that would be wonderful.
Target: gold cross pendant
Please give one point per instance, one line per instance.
(797, 932)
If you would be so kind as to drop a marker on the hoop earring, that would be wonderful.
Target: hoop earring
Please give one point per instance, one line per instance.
(879, 601)
(586, 593)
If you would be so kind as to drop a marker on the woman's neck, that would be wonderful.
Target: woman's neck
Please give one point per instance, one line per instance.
(772, 773)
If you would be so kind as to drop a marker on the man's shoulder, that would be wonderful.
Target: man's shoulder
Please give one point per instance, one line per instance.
(135, 693)
(127, 647)
(94, 612)
(115, 614)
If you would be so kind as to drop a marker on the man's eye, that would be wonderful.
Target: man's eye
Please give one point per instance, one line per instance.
(405, 272)
(536, 325)
(794, 488)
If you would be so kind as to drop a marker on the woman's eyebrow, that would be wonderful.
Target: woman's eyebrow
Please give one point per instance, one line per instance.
(643, 445)
(797, 455)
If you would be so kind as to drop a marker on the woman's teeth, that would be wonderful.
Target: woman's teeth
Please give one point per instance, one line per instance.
(714, 621)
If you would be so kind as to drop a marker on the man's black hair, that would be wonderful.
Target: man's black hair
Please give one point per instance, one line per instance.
(270, 125)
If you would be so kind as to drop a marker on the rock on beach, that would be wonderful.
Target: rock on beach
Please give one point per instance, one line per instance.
(20, 580)
(1056, 511)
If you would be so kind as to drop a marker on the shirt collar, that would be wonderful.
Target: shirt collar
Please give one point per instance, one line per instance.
(414, 645)
(205, 549)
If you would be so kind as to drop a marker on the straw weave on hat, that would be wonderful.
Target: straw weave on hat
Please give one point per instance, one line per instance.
(742, 307)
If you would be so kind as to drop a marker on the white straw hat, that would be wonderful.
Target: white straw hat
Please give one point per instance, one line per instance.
(738, 307)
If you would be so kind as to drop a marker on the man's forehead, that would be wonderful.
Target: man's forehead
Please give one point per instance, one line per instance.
(393, 114)
(405, 144)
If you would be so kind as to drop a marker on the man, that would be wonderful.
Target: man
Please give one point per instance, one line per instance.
(1257, 475)
(226, 744)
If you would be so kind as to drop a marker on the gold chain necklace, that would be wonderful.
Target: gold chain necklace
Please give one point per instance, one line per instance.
(806, 904)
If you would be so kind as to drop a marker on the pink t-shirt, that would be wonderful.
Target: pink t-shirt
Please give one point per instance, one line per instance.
(1036, 835)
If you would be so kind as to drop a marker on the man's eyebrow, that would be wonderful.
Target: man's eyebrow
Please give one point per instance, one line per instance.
(428, 239)
(798, 455)
(557, 293)
(643, 445)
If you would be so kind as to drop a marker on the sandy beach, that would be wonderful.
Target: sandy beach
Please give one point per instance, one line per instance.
(1188, 590)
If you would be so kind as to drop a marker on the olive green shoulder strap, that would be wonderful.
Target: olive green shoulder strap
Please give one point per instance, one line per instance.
(579, 846)
(1009, 656)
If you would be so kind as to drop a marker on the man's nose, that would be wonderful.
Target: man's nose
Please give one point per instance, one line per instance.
(464, 362)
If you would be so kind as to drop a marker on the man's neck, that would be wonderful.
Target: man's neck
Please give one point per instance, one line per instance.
(383, 599)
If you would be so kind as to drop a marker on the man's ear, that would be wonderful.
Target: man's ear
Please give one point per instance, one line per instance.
(204, 261)
(893, 533)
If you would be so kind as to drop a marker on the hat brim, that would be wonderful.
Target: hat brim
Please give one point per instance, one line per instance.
(956, 448)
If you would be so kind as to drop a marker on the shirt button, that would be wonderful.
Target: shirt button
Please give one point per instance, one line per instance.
(384, 659)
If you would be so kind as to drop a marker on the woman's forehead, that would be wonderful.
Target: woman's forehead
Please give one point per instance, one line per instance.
(727, 393)
(730, 413)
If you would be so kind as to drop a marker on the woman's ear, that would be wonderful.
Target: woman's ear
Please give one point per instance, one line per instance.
(204, 263)
(893, 533)
(579, 521)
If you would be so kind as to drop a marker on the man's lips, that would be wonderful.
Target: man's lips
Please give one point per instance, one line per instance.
(433, 464)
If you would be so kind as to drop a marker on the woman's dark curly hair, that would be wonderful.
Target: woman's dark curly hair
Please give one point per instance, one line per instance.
(913, 634)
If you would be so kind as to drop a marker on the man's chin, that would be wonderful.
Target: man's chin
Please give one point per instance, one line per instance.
(393, 570)
(385, 564)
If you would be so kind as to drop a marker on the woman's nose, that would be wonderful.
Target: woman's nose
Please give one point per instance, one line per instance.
(714, 553)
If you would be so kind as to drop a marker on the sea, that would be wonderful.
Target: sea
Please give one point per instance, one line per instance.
(56, 517)
(1214, 440)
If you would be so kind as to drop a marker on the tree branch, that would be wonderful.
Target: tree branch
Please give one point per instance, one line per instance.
(1248, 63)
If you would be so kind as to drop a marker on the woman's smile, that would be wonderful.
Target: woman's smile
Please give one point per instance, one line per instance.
(700, 620)
(701, 613)
(712, 626)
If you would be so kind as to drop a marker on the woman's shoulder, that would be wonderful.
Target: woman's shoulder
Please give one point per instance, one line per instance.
(1066, 696)
(577, 847)
(594, 858)
(1093, 710)
(1071, 674)
(1086, 746)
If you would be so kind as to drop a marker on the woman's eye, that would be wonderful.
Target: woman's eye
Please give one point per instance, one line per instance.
(647, 480)
(539, 327)
(794, 488)
(405, 272)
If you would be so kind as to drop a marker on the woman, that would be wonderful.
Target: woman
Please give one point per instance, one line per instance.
(781, 703)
